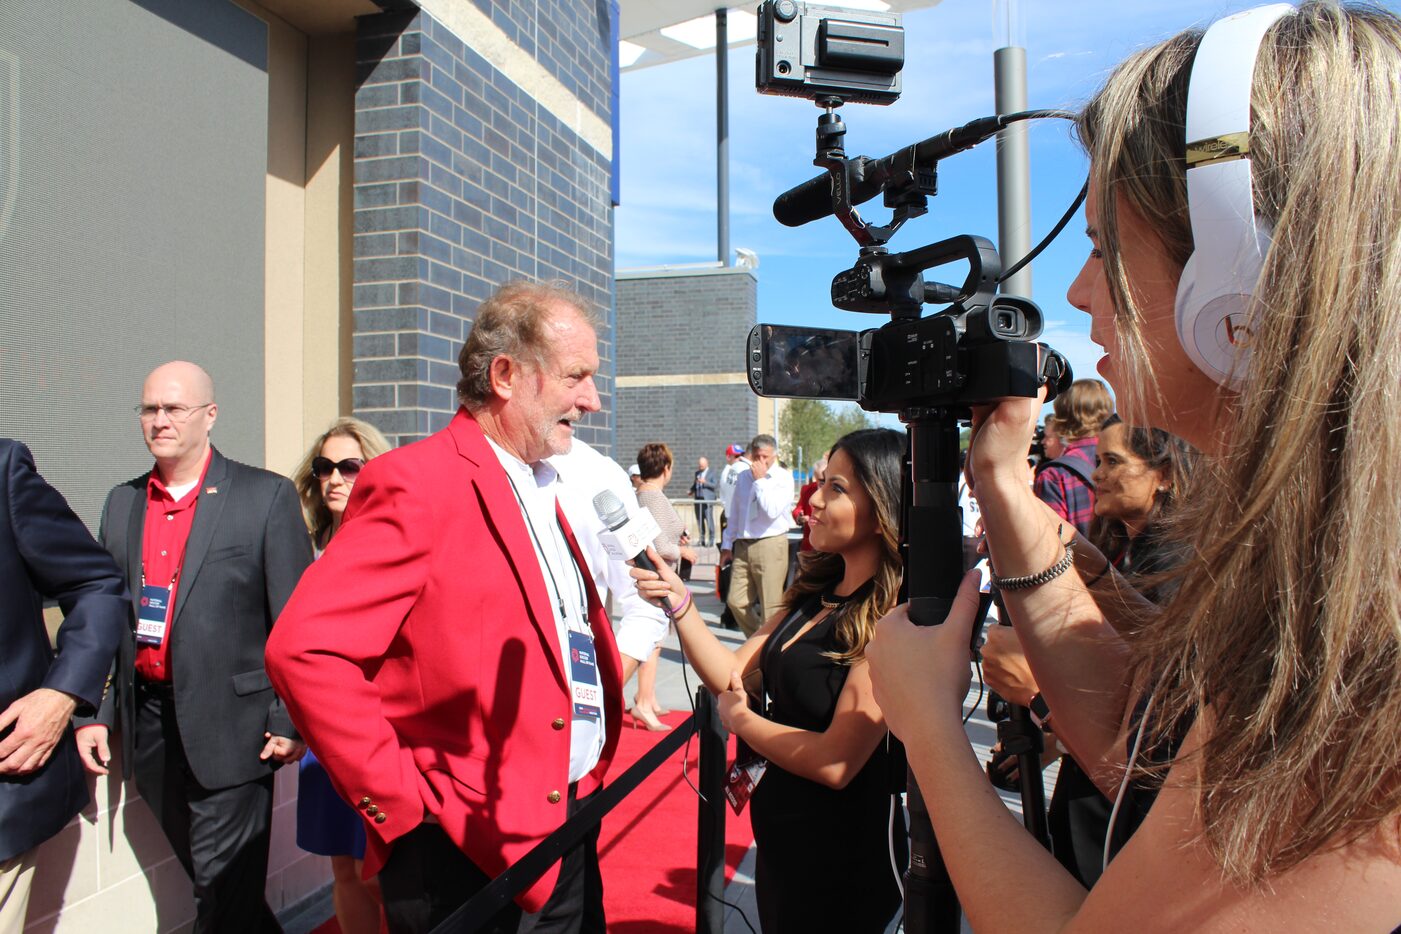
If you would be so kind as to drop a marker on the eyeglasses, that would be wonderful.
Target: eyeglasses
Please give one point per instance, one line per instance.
(323, 467)
(176, 412)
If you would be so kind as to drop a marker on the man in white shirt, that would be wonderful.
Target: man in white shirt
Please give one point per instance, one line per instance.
(735, 464)
(756, 538)
(583, 474)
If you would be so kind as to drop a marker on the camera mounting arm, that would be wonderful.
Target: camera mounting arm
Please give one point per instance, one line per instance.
(906, 190)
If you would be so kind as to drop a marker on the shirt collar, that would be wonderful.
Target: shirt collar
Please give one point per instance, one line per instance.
(540, 474)
(157, 489)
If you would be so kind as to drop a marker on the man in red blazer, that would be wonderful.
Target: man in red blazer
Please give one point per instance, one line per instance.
(448, 658)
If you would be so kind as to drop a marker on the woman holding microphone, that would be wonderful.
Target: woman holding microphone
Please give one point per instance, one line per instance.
(1264, 698)
(823, 815)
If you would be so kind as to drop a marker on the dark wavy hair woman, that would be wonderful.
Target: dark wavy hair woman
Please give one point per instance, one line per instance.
(823, 816)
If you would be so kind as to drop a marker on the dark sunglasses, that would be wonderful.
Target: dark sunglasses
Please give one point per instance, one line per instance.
(323, 467)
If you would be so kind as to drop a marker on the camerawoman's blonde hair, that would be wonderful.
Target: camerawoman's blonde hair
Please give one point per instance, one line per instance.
(318, 517)
(1287, 626)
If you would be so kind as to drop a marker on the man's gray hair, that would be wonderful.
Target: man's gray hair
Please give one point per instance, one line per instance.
(511, 323)
(762, 441)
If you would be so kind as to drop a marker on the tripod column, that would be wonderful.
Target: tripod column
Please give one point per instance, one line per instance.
(933, 568)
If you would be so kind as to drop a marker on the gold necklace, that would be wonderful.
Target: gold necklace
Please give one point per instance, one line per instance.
(830, 600)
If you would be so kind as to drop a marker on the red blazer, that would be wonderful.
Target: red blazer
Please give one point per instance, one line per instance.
(419, 658)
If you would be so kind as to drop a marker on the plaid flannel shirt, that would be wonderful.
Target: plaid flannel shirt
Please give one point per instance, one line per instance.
(1058, 487)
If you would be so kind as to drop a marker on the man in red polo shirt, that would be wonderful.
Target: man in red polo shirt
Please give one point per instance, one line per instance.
(211, 550)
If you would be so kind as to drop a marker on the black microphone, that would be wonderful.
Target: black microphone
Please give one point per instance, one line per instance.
(613, 513)
(812, 199)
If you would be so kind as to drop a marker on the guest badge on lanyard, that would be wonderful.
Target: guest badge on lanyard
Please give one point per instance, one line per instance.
(153, 617)
(588, 696)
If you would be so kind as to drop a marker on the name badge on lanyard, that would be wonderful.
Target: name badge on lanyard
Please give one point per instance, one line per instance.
(583, 669)
(153, 617)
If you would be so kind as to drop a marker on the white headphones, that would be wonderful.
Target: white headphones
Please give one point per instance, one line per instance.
(1230, 242)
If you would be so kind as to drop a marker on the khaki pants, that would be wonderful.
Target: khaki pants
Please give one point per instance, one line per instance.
(16, 877)
(758, 573)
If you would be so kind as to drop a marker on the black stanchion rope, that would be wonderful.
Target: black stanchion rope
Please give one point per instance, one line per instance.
(486, 903)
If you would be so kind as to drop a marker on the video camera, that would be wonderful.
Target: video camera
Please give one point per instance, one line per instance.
(979, 349)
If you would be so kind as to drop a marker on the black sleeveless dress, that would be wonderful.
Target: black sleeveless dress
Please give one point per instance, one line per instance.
(824, 859)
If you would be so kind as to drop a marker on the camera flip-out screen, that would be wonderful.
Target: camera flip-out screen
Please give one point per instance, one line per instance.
(803, 363)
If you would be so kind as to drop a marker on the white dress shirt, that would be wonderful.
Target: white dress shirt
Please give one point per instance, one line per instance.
(762, 507)
(536, 486)
(583, 474)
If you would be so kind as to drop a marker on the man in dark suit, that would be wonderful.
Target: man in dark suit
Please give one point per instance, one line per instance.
(45, 552)
(703, 490)
(448, 657)
(211, 550)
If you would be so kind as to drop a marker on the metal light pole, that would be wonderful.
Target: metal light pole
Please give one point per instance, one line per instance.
(722, 136)
(1013, 160)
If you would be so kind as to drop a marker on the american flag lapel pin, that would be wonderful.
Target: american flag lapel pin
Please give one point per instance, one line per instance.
(211, 490)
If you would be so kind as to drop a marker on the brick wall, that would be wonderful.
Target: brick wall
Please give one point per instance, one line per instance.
(463, 181)
(672, 324)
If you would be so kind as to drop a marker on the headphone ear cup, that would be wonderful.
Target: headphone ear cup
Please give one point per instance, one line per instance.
(1212, 323)
(1188, 308)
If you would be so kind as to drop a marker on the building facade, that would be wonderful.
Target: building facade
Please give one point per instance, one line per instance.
(307, 197)
(681, 343)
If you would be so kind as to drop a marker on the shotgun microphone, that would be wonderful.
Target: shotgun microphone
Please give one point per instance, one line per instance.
(812, 200)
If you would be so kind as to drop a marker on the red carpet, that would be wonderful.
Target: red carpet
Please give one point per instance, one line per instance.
(647, 849)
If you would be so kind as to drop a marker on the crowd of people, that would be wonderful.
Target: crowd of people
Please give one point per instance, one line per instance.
(1202, 588)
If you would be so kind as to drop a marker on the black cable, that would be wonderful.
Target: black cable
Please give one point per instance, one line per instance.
(1005, 120)
(982, 687)
(686, 756)
(691, 698)
(691, 695)
(1046, 240)
(742, 916)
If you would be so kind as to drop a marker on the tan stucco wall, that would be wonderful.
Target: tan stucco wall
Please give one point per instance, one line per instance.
(285, 264)
(328, 320)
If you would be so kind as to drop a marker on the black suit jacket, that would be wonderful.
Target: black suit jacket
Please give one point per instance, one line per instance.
(247, 549)
(45, 551)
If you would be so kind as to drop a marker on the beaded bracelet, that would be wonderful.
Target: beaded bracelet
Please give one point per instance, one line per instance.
(1028, 581)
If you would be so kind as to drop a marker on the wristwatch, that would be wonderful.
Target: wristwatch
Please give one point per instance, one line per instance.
(1040, 711)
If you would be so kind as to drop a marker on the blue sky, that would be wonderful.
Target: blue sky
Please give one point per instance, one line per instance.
(667, 213)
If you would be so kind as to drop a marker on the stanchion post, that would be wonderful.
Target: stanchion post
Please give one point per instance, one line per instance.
(710, 826)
